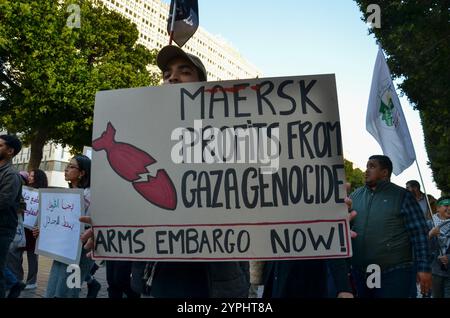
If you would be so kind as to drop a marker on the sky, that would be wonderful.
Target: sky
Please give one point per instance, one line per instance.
(308, 37)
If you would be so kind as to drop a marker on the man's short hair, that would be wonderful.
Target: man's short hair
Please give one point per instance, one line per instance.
(413, 184)
(384, 161)
(12, 142)
(169, 52)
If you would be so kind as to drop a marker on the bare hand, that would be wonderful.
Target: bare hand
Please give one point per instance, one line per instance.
(435, 231)
(443, 259)
(35, 231)
(345, 295)
(88, 237)
(352, 213)
(424, 279)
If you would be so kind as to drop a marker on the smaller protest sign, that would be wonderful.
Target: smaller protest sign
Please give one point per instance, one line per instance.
(31, 198)
(59, 225)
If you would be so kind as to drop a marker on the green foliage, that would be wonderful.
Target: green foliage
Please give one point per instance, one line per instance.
(353, 176)
(416, 36)
(50, 72)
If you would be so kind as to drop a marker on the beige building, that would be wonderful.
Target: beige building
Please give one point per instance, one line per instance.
(221, 60)
(54, 160)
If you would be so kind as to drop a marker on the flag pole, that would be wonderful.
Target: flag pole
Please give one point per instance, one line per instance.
(441, 251)
(425, 192)
(172, 24)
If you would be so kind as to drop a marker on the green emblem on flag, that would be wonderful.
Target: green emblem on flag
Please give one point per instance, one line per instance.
(386, 111)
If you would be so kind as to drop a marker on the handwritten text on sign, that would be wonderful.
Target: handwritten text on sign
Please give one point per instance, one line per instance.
(31, 198)
(59, 224)
(220, 243)
(257, 162)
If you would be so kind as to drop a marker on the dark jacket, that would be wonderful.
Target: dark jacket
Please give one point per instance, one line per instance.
(10, 195)
(304, 278)
(383, 238)
(228, 279)
(195, 279)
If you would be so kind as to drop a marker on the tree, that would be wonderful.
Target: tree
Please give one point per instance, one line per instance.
(354, 176)
(51, 69)
(416, 36)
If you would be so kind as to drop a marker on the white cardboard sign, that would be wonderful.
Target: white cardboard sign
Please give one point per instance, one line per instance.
(59, 225)
(233, 170)
(31, 198)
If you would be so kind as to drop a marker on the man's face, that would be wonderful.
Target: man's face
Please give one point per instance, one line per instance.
(5, 151)
(444, 211)
(411, 188)
(180, 70)
(374, 172)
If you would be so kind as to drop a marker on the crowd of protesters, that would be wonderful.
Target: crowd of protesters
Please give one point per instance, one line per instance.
(397, 228)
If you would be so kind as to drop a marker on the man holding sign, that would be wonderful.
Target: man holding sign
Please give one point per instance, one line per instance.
(185, 279)
(213, 172)
(195, 279)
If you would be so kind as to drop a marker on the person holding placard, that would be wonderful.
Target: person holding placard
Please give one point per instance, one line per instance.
(37, 179)
(194, 279)
(78, 174)
(191, 279)
(10, 194)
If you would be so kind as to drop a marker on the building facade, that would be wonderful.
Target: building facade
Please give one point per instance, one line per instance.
(221, 60)
(55, 159)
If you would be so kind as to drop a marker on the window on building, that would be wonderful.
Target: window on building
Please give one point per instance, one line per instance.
(59, 166)
(43, 165)
(64, 165)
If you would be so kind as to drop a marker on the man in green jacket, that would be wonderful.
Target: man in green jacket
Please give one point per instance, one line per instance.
(392, 236)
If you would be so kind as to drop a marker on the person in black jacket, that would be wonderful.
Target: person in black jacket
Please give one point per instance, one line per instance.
(306, 279)
(10, 194)
(194, 279)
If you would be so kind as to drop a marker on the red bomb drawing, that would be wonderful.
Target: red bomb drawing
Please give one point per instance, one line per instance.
(129, 163)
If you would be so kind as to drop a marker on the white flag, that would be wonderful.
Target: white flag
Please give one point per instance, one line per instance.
(385, 120)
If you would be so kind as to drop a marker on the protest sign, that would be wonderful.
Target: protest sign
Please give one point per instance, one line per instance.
(233, 170)
(59, 225)
(31, 198)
